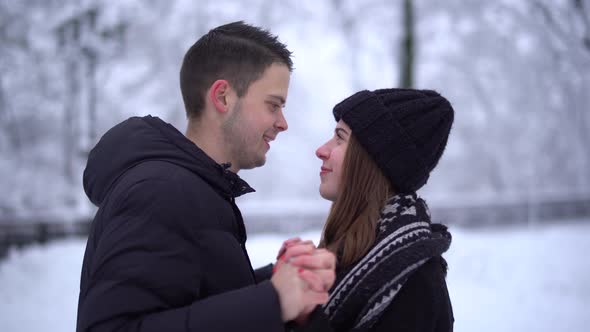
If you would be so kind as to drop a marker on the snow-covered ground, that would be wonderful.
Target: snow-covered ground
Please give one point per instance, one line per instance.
(517, 279)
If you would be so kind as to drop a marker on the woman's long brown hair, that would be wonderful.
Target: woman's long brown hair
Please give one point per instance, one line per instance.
(350, 229)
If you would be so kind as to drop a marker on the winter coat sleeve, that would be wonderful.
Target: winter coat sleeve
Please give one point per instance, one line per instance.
(146, 258)
(317, 322)
(263, 273)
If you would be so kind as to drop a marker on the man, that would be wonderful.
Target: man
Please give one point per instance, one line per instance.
(166, 251)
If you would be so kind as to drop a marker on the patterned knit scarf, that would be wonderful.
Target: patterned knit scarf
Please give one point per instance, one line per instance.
(405, 240)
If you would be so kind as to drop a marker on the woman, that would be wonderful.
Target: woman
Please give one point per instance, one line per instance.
(390, 275)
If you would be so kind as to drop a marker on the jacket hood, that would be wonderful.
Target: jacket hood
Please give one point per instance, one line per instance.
(140, 139)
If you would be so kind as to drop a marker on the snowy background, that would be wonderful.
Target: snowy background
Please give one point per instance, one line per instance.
(516, 71)
(519, 279)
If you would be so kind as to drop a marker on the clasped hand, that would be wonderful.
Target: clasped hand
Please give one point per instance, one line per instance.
(302, 276)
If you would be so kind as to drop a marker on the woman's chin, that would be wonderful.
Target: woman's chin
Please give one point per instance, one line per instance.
(327, 196)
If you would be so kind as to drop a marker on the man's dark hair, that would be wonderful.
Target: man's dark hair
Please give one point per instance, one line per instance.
(236, 52)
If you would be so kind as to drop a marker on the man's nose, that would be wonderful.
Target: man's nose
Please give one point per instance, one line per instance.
(281, 123)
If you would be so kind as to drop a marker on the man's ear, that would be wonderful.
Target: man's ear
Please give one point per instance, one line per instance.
(218, 94)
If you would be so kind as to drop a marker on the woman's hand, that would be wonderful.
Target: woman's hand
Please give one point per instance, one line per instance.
(316, 267)
(297, 291)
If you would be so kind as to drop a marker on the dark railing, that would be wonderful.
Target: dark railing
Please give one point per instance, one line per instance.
(19, 233)
(471, 215)
(22, 233)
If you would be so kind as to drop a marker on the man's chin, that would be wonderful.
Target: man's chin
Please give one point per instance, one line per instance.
(255, 163)
(260, 162)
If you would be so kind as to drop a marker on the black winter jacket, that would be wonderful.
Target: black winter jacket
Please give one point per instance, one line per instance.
(422, 305)
(166, 250)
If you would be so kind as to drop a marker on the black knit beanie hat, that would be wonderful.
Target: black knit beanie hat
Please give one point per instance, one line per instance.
(404, 130)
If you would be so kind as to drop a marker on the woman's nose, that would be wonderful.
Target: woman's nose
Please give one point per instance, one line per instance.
(322, 152)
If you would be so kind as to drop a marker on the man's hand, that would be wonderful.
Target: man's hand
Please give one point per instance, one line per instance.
(316, 267)
(297, 292)
(320, 264)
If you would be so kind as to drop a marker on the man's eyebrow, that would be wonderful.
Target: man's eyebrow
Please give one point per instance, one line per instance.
(341, 130)
(279, 99)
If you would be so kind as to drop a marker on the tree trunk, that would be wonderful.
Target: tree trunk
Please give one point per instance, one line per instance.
(407, 46)
(70, 119)
(92, 118)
